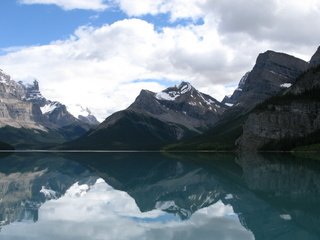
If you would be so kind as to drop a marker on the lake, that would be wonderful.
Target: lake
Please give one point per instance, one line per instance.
(159, 196)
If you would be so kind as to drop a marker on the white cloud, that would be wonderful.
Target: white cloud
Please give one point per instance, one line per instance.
(97, 5)
(177, 8)
(291, 21)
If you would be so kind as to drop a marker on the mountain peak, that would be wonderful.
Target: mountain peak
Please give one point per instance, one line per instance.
(185, 86)
(279, 58)
(315, 59)
(172, 93)
(4, 78)
(272, 72)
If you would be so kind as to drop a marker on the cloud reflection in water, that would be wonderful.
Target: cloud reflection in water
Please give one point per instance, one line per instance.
(101, 212)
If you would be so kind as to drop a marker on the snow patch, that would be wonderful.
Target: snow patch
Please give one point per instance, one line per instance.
(286, 217)
(49, 107)
(167, 96)
(229, 196)
(171, 206)
(185, 88)
(165, 205)
(171, 94)
(286, 85)
(229, 104)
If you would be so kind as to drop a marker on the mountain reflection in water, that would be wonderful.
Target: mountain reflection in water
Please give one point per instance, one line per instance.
(158, 196)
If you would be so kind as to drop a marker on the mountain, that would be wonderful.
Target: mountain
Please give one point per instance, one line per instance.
(56, 113)
(272, 75)
(154, 120)
(28, 120)
(287, 121)
(183, 105)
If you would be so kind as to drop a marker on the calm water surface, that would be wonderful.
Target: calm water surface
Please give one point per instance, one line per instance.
(158, 196)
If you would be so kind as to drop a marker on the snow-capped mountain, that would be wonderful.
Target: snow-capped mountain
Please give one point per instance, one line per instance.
(182, 104)
(186, 93)
(54, 111)
(24, 109)
(154, 120)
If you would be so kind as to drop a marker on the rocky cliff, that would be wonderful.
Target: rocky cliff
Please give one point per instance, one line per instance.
(289, 120)
(14, 110)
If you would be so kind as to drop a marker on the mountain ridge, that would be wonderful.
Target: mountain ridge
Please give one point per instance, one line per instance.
(154, 120)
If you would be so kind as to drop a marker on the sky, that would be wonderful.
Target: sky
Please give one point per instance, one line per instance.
(101, 53)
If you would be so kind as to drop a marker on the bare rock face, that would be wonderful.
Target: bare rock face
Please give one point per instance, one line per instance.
(14, 110)
(33, 94)
(315, 60)
(272, 73)
(290, 121)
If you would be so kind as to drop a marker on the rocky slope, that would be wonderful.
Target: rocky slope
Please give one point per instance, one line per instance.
(154, 120)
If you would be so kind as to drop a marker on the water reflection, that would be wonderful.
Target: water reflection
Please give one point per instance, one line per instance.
(156, 196)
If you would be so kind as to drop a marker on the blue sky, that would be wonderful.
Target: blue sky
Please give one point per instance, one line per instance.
(106, 51)
(37, 24)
